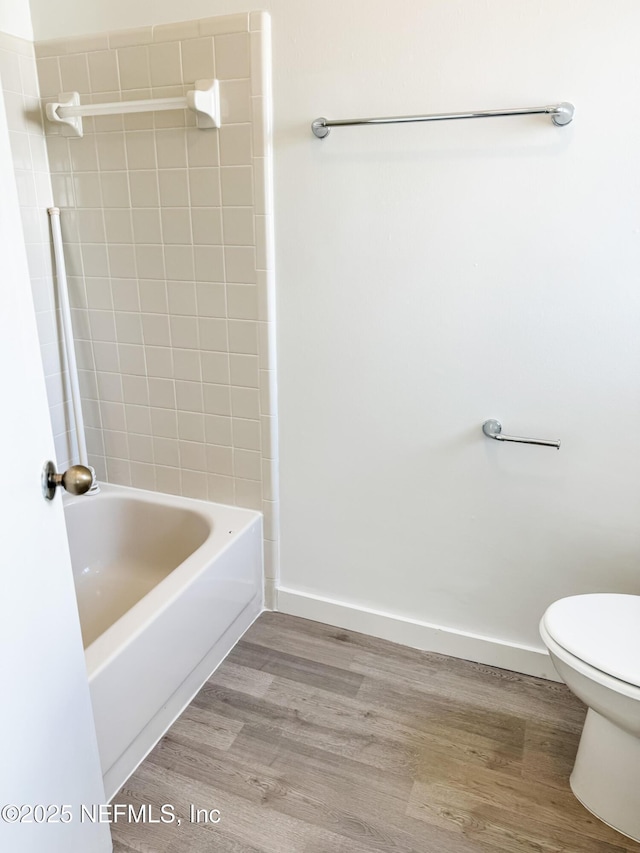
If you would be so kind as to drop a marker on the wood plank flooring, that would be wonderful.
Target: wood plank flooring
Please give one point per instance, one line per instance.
(312, 739)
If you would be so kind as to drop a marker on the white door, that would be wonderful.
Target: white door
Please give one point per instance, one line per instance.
(48, 750)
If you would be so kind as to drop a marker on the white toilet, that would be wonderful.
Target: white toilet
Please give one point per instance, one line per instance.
(594, 642)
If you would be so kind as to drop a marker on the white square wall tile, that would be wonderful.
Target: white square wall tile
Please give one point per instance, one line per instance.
(209, 263)
(103, 71)
(235, 101)
(112, 415)
(202, 148)
(103, 326)
(215, 367)
(105, 354)
(95, 260)
(248, 493)
(109, 386)
(135, 390)
(219, 460)
(118, 225)
(244, 370)
(211, 299)
(179, 262)
(245, 402)
(174, 187)
(133, 65)
(184, 332)
(206, 225)
(122, 263)
(197, 59)
(217, 400)
(220, 489)
(238, 224)
(140, 448)
(87, 190)
(150, 261)
(194, 484)
(243, 336)
(213, 335)
(162, 393)
(90, 225)
(138, 420)
(144, 188)
(146, 225)
(153, 297)
(186, 365)
(74, 72)
(168, 480)
(128, 327)
(235, 145)
(143, 476)
(141, 149)
(189, 396)
(116, 444)
(155, 328)
(125, 294)
(204, 187)
(247, 464)
(237, 185)
(115, 189)
(164, 423)
(111, 152)
(165, 64)
(49, 77)
(171, 148)
(159, 362)
(233, 56)
(218, 430)
(83, 155)
(246, 434)
(182, 297)
(132, 360)
(192, 455)
(191, 426)
(240, 264)
(176, 225)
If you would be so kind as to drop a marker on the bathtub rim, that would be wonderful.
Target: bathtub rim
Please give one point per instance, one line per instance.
(134, 621)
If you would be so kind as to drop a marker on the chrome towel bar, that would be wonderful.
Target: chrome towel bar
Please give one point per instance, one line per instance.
(561, 114)
(493, 429)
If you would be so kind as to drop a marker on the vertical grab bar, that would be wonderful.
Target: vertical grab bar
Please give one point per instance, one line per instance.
(67, 334)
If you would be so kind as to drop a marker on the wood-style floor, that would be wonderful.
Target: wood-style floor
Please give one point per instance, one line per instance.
(312, 739)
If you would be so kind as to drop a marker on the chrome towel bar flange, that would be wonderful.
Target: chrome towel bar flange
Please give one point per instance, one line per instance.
(493, 429)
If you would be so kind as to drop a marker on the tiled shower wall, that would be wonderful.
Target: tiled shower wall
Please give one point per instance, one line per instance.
(168, 244)
(31, 168)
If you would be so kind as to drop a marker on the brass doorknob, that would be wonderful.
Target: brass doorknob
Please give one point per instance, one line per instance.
(76, 480)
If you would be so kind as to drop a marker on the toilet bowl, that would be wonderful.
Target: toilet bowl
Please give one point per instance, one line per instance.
(594, 643)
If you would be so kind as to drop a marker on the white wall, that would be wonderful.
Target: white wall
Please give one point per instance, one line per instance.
(15, 18)
(431, 276)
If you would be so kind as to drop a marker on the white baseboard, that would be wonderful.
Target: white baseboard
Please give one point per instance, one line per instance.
(416, 634)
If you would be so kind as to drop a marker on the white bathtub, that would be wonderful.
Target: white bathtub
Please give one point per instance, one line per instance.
(166, 586)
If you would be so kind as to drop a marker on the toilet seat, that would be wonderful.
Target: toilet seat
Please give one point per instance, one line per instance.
(600, 629)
